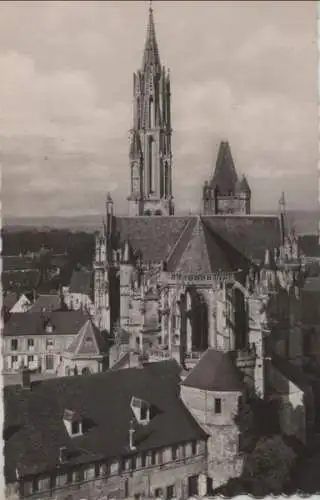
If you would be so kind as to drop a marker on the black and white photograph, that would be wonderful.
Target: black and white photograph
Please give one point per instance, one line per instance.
(160, 249)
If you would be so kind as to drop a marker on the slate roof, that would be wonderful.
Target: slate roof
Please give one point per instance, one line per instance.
(48, 302)
(88, 342)
(33, 323)
(33, 418)
(225, 176)
(81, 282)
(215, 371)
(225, 236)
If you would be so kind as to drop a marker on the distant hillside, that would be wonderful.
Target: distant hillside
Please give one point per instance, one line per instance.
(306, 222)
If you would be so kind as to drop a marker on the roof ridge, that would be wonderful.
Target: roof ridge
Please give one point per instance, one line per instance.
(183, 232)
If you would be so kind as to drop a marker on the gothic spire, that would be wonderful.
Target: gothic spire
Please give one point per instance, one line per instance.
(151, 52)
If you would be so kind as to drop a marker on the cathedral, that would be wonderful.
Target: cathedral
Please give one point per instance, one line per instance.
(174, 286)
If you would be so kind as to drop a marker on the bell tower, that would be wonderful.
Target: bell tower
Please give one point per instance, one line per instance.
(150, 137)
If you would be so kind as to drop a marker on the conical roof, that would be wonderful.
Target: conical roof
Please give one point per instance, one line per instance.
(243, 185)
(151, 52)
(88, 342)
(215, 372)
(225, 176)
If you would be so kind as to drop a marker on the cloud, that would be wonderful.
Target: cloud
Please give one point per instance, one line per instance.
(241, 71)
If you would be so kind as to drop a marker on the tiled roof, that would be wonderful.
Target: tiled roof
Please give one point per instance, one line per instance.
(33, 418)
(33, 323)
(158, 238)
(89, 341)
(17, 263)
(81, 282)
(225, 175)
(49, 302)
(215, 371)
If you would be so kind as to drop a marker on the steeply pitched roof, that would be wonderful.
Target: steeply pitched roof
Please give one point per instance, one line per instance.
(35, 417)
(225, 236)
(34, 323)
(48, 302)
(225, 175)
(243, 185)
(88, 342)
(200, 250)
(81, 282)
(215, 371)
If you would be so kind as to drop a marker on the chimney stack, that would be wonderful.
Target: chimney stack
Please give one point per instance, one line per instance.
(131, 433)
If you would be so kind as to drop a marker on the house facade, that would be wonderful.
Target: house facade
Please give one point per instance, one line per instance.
(37, 340)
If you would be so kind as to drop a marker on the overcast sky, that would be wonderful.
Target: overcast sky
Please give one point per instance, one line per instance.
(242, 71)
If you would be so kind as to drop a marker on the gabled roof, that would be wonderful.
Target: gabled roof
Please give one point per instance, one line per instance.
(88, 342)
(225, 236)
(81, 282)
(215, 372)
(34, 323)
(34, 418)
(225, 176)
(47, 302)
(202, 251)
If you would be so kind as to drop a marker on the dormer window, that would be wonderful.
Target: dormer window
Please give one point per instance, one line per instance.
(141, 410)
(73, 423)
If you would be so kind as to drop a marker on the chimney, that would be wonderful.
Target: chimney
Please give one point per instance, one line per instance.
(131, 433)
(62, 454)
(26, 379)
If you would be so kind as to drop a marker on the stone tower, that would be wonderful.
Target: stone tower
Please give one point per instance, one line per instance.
(226, 193)
(150, 137)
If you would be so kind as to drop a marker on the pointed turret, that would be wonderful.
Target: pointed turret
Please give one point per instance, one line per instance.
(151, 52)
(225, 177)
(150, 148)
(243, 186)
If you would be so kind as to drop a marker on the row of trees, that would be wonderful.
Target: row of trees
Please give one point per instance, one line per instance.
(79, 246)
